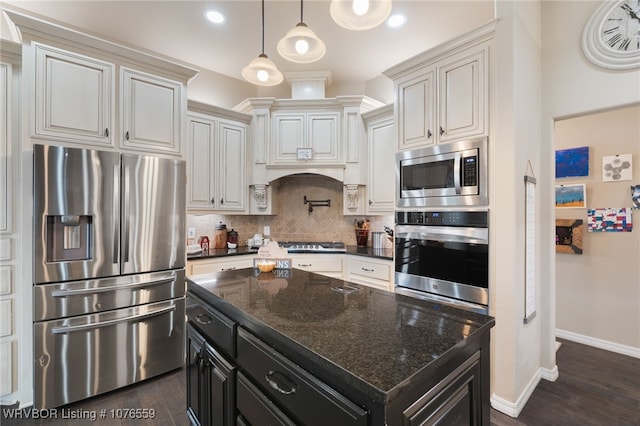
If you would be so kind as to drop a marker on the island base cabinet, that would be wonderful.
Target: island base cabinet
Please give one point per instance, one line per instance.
(454, 401)
(210, 383)
(307, 400)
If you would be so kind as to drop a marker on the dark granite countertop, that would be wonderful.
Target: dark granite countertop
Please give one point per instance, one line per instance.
(386, 254)
(373, 339)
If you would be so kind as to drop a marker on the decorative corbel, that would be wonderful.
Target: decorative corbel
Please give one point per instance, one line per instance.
(352, 196)
(260, 195)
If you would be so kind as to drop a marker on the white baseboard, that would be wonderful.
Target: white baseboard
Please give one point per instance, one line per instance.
(513, 409)
(599, 343)
(550, 374)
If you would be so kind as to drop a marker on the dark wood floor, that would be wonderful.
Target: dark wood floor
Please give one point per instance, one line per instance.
(595, 387)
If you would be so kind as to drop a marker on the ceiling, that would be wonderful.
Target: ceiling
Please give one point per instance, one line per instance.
(178, 29)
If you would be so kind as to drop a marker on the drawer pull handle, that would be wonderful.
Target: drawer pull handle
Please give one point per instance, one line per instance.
(280, 382)
(367, 270)
(204, 319)
(232, 268)
(305, 265)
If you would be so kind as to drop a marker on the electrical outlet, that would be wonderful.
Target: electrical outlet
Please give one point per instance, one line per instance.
(191, 233)
(267, 231)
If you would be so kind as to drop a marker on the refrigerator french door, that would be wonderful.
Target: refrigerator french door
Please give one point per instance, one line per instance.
(109, 259)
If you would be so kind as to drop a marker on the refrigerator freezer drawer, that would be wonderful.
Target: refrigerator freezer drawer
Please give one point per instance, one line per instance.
(79, 357)
(92, 296)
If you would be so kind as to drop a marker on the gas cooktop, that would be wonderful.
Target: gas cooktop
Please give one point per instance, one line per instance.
(313, 247)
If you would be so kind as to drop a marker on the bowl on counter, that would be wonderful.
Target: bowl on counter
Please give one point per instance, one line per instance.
(231, 245)
(266, 265)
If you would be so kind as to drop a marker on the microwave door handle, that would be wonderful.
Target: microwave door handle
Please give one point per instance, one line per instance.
(456, 173)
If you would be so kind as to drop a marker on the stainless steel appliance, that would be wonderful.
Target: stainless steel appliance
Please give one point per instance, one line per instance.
(452, 174)
(443, 256)
(313, 247)
(109, 259)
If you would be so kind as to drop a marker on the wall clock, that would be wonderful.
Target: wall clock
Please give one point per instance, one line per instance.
(611, 37)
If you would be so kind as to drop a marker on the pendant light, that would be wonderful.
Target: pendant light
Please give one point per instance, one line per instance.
(301, 44)
(359, 14)
(261, 70)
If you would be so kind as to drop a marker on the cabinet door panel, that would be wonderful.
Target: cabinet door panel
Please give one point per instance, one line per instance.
(233, 181)
(199, 155)
(463, 97)
(382, 182)
(73, 96)
(151, 112)
(288, 136)
(323, 136)
(196, 389)
(416, 104)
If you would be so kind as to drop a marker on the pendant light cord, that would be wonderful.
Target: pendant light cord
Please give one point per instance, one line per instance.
(263, 27)
(301, 19)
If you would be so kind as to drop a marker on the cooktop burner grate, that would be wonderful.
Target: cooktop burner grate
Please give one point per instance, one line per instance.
(313, 246)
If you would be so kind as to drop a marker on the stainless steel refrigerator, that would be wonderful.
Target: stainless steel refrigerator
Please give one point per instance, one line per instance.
(109, 257)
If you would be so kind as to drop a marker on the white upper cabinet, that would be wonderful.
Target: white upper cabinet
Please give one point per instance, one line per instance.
(216, 164)
(442, 95)
(463, 84)
(74, 97)
(381, 138)
(317, 131)
(151, 112)
(416, 101)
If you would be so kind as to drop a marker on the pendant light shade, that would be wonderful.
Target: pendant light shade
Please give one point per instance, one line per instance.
(301, 44)
(359, 14)
(261, 71)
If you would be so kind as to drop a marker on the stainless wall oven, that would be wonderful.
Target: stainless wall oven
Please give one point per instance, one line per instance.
(452, 174)
(443, 256)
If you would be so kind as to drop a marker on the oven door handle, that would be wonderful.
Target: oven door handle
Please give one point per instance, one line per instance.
(93, 325)
(441, 233)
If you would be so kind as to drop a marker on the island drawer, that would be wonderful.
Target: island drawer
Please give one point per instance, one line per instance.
(297, 392)
(216, 327)
(255, 408)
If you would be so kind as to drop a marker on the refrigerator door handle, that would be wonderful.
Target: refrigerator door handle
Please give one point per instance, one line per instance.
(125, 216)
(68, 293)
(91, 326)
(115, 217)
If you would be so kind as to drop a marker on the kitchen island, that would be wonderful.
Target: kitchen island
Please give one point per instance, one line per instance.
(294, 347)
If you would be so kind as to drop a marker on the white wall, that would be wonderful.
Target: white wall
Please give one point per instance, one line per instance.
(572, 87)
(598, 292)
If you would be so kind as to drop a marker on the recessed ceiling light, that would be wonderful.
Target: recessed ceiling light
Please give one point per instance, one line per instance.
(215, 16)
(396, 20)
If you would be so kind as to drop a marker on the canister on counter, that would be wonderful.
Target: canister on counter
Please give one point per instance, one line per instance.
(204, 244)
(220, 237)
(232, 236)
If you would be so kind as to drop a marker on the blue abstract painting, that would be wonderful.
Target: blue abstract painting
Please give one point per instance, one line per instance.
(572, 162)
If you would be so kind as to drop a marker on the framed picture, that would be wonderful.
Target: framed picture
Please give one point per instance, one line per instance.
(610, 220)
(571, 196)
(569, 234)
(572, 162)
(617, 168)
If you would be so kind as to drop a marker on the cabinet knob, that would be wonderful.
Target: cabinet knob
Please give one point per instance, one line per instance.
(429, 134)
(213, 200)
(126, 135)
(106, 132)
(441, 131)
(221, 200)
(370, 202)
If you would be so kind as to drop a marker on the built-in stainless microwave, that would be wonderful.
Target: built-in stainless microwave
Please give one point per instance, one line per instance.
(452, 174)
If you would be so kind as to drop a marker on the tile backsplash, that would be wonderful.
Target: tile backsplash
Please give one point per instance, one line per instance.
(293, 222)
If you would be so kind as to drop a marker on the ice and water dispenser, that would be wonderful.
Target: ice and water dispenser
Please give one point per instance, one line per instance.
(68, 238)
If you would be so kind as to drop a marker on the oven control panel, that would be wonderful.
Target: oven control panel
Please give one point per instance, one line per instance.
(479, 219)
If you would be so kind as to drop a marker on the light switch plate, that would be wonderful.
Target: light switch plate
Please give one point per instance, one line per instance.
(191, 233)
(267, 231)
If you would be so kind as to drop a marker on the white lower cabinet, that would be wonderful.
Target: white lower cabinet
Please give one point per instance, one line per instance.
(369, 271)
(218, 264)
(330, 265)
